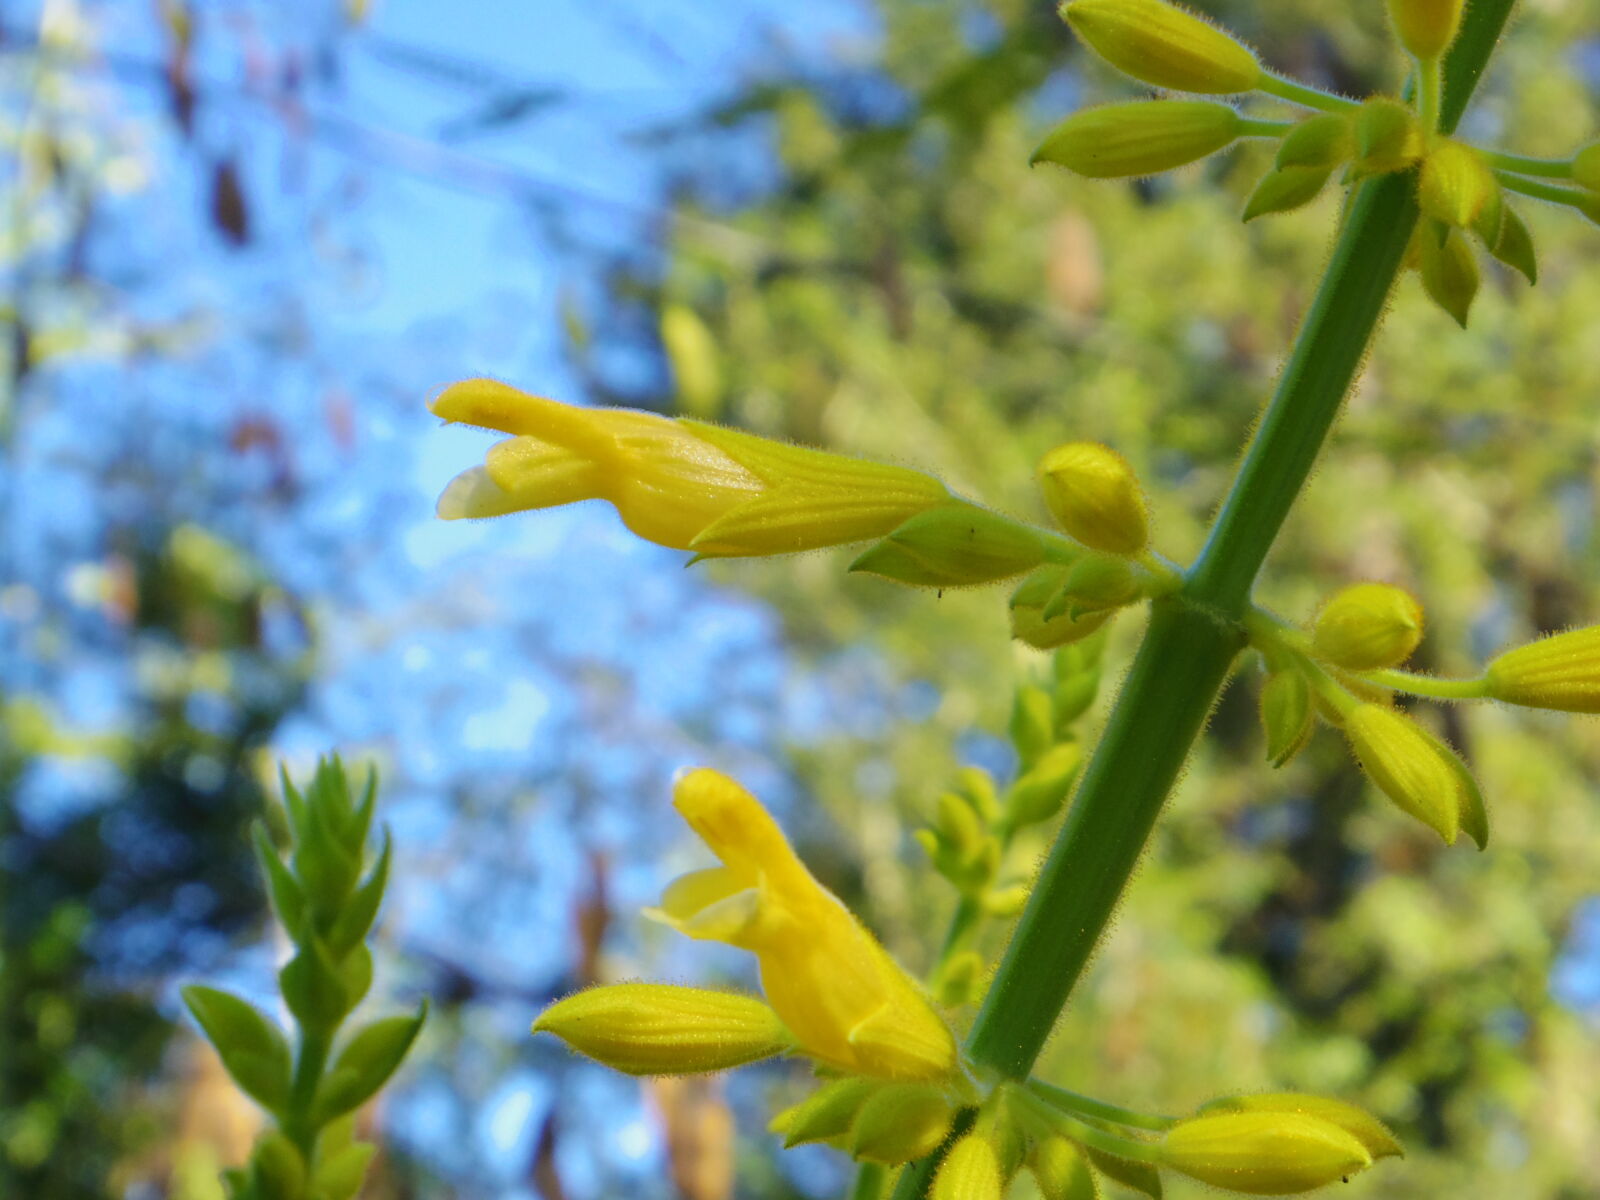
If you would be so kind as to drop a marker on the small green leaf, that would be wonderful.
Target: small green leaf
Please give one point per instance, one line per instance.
(355, 972)
(250, 1044)
(280, 1172)
(362, 908)
(312, 987)
(288, 901)
(340, 1176)
(953, 545)
(366, 1062)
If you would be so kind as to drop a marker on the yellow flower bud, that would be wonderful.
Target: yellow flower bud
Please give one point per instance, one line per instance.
(1325, 140)
(1287, 715)
(955, 544)
(1094, 495)
(1163, 45)
(1143, 137)
(1560, 672)
(845, 1001)
(897, 1124)
(1388, 137)
(1449, 271)
(1426, 27)
(1357, 1122)
(1407, 767)
(680, 483)
(970, 1171)
(1455, 185)
(1367, 626)
(1027, 613)
(1263, 1153)
(1586, 167)
(660, 1029)
(1061, 1171)
(1285, 190)
(826, 1114)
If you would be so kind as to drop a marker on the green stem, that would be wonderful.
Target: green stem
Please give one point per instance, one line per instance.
(1543, 168)
(310, 1059)
(1194, 635)
(1430, 86)
(1428, 685)
(1088, 1106)
(1051, 1118)
(1572, 197)
(1251, 127)
(1304, 95)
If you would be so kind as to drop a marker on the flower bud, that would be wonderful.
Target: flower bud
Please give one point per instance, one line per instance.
(1039, 794)
(1095, 583)
(900, 1123)
(971, 1171)
(1449, 272)
(1325, 140)
(1143, 137)
(1061, 1171)
(1032, 726)
(826, 1114)
(1028, 623)
(1163, 45)
(1263, 1153)
(1560, 672)
(661, 1029)
(1586, 167)
(1455, 185)
(954, 545)
(1426, 27)
(1367, 626)
(1357, 1122)
(1407, 767)
(1094, 495)
(1388, 137)
(1287, 714)
(961, 978)
(1285, 190)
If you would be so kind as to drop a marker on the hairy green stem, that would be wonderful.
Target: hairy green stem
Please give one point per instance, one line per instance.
(1570, 196)
(1088, 1106)
(1194, 635)
(1520, 164)
(1299, 93)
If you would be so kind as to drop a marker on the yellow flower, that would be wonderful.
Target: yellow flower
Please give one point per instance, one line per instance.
(847, 1003)
(683, 484)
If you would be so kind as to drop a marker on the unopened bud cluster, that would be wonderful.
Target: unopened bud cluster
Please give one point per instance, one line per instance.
(1363, 629)
(1459, 188)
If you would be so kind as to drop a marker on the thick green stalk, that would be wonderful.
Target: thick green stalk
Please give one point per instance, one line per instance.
(1194, 634)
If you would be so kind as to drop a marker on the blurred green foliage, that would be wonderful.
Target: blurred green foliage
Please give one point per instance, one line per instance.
(910, 289)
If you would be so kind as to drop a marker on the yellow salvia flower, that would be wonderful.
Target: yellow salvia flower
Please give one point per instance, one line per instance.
(680, 483)
(1560, 672)
(1142, 137)
(847, 1003)
(1263, 1153)
(662, 1029)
